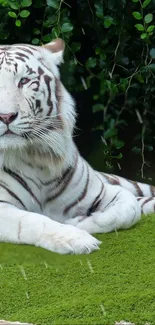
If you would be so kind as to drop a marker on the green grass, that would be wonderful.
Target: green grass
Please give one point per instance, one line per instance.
(76, 290)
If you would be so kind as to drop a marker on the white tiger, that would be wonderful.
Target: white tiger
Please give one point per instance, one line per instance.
(49, 195)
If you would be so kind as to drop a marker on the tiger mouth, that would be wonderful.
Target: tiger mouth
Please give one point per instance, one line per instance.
(9, 132)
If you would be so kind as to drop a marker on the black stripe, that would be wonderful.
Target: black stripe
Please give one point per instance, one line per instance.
(47, 80)
(13, 195)
(1, 201)
(19, 58)
(137, 187)
(25, 47)
(30, 103)
(113, 199)
(30, 70)
(22, 182)
(22, 55)
(36, 83)
(147, 200)
(81, 196)
(32, 180)
(96, 202)
(152, 190)
(140, 198)
(52, 181)
(58, 98)
(64, 181)
(111, 179)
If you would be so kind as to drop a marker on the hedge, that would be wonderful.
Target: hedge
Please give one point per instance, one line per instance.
(110, 52)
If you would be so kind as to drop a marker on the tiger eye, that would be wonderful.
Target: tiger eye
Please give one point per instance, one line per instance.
(23, 81)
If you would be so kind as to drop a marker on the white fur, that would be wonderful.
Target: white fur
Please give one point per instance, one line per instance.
(37, 161)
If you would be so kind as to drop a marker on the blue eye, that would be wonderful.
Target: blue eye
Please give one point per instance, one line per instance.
(23, 81)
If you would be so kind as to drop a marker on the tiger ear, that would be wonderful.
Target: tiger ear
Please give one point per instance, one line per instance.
(56, 47)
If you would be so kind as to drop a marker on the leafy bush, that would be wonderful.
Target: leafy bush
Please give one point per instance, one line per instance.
(110, 49)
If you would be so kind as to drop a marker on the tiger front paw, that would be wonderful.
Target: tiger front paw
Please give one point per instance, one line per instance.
(69, 240)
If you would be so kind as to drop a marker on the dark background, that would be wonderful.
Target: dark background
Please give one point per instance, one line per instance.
(109, 69)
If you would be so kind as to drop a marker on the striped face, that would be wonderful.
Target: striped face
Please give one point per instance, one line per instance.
(31, 98)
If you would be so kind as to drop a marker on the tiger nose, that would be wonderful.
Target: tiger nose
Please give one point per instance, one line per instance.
(8, 118)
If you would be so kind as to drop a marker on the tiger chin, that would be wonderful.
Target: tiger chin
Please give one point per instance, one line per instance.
(49, 195)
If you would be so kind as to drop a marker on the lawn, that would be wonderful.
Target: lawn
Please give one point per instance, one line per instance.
(115, 283)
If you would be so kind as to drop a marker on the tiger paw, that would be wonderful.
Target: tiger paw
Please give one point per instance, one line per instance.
(69, 240)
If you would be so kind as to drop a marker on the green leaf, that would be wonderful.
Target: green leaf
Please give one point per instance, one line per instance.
(150, 28)
(18, 23)
(53, 3)
(50, 22)
(103, 55)
(99, 9)
(98, 128)
(148, 18)
(110, 133)
(26, 3)
(137, 15)
(4, 35)
(39, 22)
(98, 108)
(143, 36)
(4, 3)
(14, 5)
(91, 62)
(152, 53)
(151, 67)
(97, 50)
(96, 97)
(36, 31)
(55, 32)
(135, 0)
(108, 21)
(139, 77)
(66, 27)
(75, 46)
(35, 41)
(146, 3)
(46, 38)
(136, 150)
(12, 14)
(124, 81)
(117, 143)
(117, 156)
(24, 13)
(149, 147)
(140, 27)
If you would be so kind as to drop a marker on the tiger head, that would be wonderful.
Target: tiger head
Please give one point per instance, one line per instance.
(36, 111)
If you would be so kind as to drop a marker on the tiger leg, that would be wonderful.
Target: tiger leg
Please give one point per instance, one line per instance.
(23, 227)
(119, 210)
